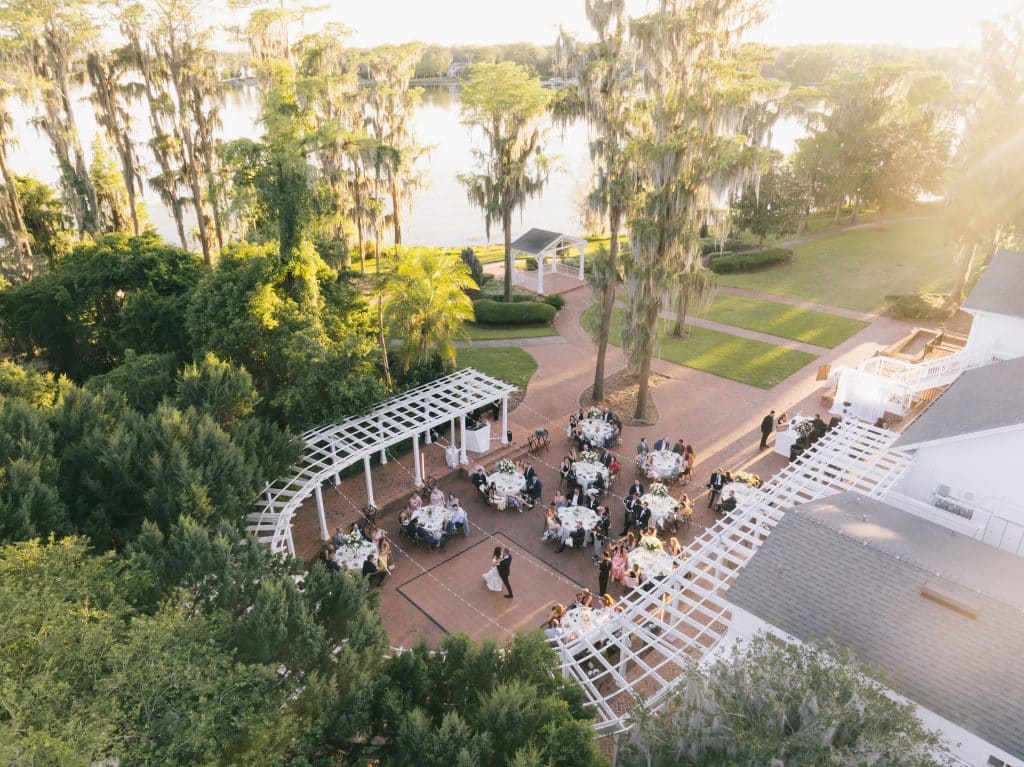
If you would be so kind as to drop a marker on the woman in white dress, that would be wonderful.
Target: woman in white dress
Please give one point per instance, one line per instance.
(491, 577)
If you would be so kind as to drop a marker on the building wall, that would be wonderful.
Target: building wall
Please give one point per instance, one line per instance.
(1002, 334)
(983, 473)
(966, 746)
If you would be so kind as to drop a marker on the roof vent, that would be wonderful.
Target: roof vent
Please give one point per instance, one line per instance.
(952, 599)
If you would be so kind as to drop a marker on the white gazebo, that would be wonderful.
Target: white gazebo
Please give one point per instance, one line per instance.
(546, 246)
(331, 449)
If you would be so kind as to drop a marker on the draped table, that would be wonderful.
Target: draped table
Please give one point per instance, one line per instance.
(353, 553)
(571, 516)
(784, 439)
(587, 471)
(596, 430)
(742, 489)
(432, 518)
(663, 464)
(662, 507)
(581, 621)
(652, 562)
(507, 485)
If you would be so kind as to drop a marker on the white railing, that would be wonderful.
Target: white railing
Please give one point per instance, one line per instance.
(927, 375)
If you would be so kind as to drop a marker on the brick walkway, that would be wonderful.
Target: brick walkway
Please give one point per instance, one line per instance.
(431, 593)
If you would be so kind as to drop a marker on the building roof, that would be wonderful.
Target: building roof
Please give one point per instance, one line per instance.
(985, 398)
(998, 290)
(535, 241)
(851, 569)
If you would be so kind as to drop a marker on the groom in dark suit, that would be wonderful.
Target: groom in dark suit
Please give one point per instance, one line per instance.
(504, 568)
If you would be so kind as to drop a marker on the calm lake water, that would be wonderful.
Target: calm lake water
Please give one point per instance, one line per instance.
(440, 213)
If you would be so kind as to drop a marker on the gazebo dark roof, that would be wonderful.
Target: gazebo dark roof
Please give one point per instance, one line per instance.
(535, 241)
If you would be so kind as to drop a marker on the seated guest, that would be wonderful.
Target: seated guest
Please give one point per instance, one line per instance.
(818, 428)
(584, 598)
(327, 557)
(437, 497)
(613, 466)
(415, 502)
(520, 467)
(636, 489)
(559, 500)
(551, 524)
(425, 535)
(675, 548)
(592, 502)
(782, 422)
(632, 579)
(479, 476)
(492, 493)
(573, 455)
(529, 472)
(727, 505)
(630, 542)
(579, 535)
(597, 486)
(606, 457)
(642, 449)
(554, 629)
(339, 536)
(662, 444)
(453, 500)
(608, 602)
(562, 536)
(679, 447)
(369, 568)
(460, 520)
(534, 488)
(607, 416)
(556, 614)
(566, 472)
(575, 498)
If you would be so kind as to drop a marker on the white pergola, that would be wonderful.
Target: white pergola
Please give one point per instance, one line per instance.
(545, 246)
(331, 449)
(678, 620)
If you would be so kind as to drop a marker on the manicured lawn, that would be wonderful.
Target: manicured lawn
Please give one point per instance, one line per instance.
(507, 363)
(491, 332)
(784, 321)
(739, 359)
(857, 269)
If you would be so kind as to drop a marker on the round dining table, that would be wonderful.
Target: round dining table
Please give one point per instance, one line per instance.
(663, 508)
(596, 430)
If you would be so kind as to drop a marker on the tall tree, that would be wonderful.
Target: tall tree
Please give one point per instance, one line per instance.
(506, 105)
(113, 99)
(607, 86)
(770, 704)
(390, 105)
(49, 38)
(692, 290)
(21, 264)
(701, 88)
(774, 206)
(113, 208)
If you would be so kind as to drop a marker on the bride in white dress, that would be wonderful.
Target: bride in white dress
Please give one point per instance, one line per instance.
(491, 577)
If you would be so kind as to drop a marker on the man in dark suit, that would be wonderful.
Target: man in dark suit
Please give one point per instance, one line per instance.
(661, 444)
(643, 520)
(369, 568)
(635, 489)
(715, 485)
(504, 568)
(530, 472)
(632, 506)
(767, 425)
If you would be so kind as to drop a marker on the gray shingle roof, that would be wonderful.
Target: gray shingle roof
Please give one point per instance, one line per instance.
(851, 569)
(534, 241)
(999, 289)
(989, 397)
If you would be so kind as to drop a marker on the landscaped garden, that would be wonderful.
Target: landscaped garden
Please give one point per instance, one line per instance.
(783, 320)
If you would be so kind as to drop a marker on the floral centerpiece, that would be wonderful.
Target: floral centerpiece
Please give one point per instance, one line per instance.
(505, 466)
(594, 412)
(652, 543)
(588, 456)
(747, 479)
(658, 490)
(354, 538)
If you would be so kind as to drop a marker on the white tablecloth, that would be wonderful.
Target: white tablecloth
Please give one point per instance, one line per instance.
(581, 621)
(432, 518)
(663, 464)
(742, 490)
(596, 430)
(507, 484)
(573, 515)
(652, 563)
(352, 556)
(662, 507)
(478, 440)
(784, 439)
(587, 471)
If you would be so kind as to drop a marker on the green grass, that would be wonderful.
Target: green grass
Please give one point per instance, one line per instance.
(784, 321)
(857, 269)
(739, 359)
(493, 332)
(507, 363)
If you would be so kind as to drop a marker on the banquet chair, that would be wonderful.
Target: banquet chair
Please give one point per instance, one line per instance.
(371, 513)
(376, 580)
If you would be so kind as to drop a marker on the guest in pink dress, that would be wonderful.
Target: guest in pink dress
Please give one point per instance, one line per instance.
(619, 563)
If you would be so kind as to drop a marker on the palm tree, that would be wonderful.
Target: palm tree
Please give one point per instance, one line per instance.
(506, 104)
(428, 304)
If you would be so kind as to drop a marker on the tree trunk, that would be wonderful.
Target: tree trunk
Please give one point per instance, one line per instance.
(644, 380)
(682, 303)
(956, 295)
(396, 211)
(607, 304)
(506, 227)
(856, 205)
(13, 218)
(383, 344)
(839, 209)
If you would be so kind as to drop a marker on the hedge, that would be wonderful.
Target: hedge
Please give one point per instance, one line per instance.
(747, 262)
(709, 247)
(495, 289)
(520, 313)
(920, 306)
(556, 301)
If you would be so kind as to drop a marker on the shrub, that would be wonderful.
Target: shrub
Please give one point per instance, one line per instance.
(530, 263)
(476, 269)
(490, 312)
(920, 306)
(485, 278)
(495, 290)
(747, 262)
(556, 301)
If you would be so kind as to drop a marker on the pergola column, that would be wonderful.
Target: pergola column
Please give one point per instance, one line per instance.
(369, 481)
(504, 420)
(289, 541)
(463, 458)
(417, 478)
(319, 493)
(383, 444)
(426, 436)
(334, 457)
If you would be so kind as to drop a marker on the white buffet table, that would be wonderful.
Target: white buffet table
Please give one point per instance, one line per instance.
(479, 440)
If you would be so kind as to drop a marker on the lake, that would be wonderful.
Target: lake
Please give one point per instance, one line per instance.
(440, 213)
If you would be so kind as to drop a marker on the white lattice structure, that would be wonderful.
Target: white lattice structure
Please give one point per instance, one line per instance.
(680, 618)
(331, 449)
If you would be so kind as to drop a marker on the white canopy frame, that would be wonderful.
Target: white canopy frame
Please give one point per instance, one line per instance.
(545, 246)
(678, 619)
(331, 449)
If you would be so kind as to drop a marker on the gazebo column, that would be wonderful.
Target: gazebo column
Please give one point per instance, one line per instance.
(319, 493)
(504, 420)
(540, 272)
(369, 481)
(417, 478)
(463, 458)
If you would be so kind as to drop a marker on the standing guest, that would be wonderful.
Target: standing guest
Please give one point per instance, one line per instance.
(566, 473)
(643, 519)
(529, 472)
(715, 485)
(642, 449)
(504, 568)
(632, 507)
(573, 456)
(619, 563)
(384, 558)
(691, 461)
(613, 467)
(767, 426)
(604, 570)
(369, 568)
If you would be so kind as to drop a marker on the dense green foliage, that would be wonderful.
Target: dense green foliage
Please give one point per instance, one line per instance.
(750, 261)
(490, 312)
(921, 306)
(790, 704)
(555, 300)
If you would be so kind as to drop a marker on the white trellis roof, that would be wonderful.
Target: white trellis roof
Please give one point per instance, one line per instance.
(333, 448)
(676, 621)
